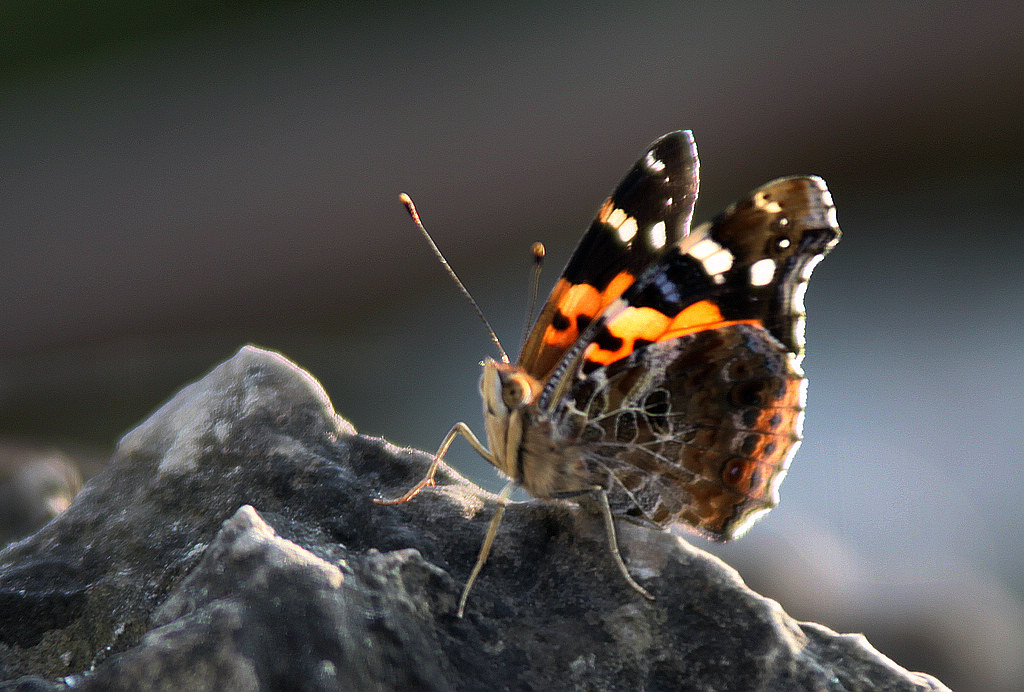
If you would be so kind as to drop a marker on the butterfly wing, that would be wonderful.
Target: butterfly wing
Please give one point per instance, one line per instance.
(685, 397)
(649, 211)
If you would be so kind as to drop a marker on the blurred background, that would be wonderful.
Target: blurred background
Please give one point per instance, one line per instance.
(182, 178)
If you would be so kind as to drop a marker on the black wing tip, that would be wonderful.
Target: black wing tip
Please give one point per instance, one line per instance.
(680, 137)
(673, 157)
(674, 146)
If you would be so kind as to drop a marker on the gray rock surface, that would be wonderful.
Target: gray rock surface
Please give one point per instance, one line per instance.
(233, 543)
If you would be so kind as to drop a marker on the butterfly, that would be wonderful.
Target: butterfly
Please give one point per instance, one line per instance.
(662, 380)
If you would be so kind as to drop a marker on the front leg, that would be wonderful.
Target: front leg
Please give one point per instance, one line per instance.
(428, 480)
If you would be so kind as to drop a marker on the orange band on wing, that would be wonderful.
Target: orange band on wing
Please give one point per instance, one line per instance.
(652, 325)
(580, 300)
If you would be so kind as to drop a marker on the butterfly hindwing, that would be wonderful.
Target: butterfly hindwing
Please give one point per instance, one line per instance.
(696, 431)
(649, 211)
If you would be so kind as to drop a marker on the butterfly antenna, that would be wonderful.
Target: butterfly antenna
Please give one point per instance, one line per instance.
(411, 208)
(537, 251)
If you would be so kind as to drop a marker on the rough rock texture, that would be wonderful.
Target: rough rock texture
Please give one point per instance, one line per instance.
(233, 543)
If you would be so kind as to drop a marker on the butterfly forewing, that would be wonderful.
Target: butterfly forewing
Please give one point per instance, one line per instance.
(649, 211)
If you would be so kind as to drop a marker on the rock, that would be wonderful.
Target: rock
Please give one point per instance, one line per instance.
(233, 543)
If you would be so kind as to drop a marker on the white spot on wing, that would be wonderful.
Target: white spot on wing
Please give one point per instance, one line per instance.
(627, 231)
(704, 248)
(623, 223)
(718, 263)
(762, 272)
(657, 235)
(763, 202)
(656, 165)
(715, 259)
(616, 218)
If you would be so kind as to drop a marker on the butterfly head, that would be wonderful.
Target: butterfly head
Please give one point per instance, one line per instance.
(507, 392)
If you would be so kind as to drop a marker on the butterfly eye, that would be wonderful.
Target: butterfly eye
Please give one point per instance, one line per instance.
(515, 391)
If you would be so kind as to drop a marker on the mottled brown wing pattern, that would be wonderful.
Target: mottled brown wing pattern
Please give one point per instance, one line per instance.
(697, 431)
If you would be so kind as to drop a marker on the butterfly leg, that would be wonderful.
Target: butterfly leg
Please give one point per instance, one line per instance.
(428, 480)
(485, 549)
(613, 544)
